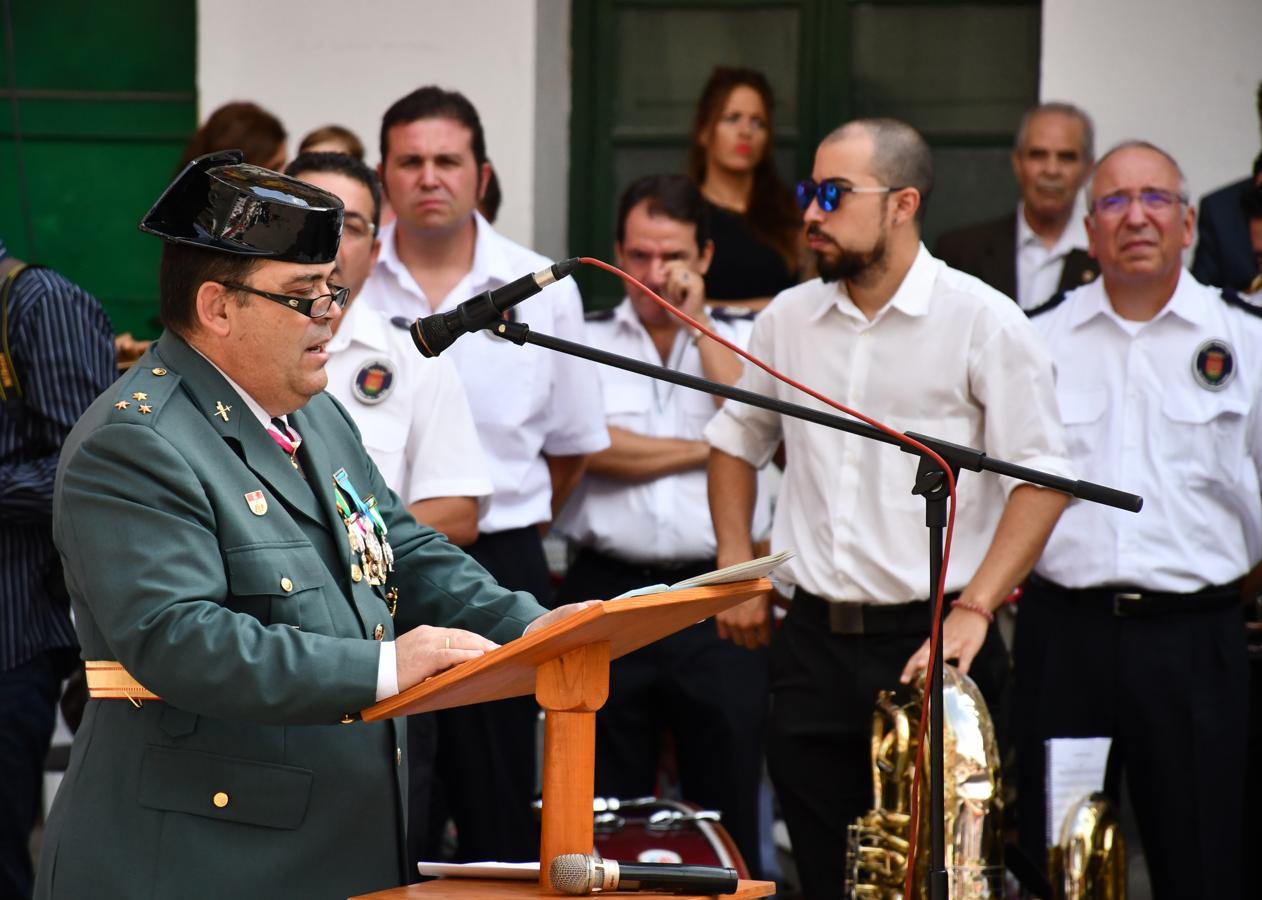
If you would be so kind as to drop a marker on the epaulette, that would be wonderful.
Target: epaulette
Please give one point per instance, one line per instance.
(1231, 298)
(732, 313)
(599, 315)
(143, 391)
(403, 323)
(1055, 301)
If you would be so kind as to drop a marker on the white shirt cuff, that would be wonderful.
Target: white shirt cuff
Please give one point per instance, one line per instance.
(387, 673)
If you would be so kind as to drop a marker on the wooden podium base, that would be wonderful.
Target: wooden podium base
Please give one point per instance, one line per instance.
(505, 889)
(566, 666)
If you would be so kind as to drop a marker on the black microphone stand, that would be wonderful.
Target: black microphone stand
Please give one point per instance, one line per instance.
(931, 483)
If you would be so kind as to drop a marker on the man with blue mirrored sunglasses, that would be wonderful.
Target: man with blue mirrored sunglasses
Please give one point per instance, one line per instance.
(890, 330)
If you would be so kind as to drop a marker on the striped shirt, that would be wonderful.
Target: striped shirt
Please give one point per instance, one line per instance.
(63, 351)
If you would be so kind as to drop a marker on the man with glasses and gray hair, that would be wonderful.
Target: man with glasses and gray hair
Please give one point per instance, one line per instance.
(890, 330)
(1130, 627)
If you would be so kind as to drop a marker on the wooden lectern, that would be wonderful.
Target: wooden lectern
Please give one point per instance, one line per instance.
(566, 666)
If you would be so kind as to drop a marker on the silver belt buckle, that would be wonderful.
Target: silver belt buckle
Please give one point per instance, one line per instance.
(1120, 598)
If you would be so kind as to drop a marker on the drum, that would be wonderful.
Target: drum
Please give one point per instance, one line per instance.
(653, 830)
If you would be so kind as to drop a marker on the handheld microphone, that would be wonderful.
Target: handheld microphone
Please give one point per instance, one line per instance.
(578, 873)
(434, 334)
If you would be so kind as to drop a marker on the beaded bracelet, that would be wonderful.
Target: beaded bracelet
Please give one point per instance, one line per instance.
(974, 608)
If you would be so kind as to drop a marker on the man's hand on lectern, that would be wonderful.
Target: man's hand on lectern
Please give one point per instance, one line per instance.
(556, 615)
(428, 650)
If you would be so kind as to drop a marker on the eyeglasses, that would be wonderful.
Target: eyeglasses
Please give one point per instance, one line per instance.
(830, 191)
(357, 228)
(1153, 200)
(313, 307)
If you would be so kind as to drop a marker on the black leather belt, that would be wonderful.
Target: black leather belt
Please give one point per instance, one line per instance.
(1127, 600)
(864, 618)
(648, 573)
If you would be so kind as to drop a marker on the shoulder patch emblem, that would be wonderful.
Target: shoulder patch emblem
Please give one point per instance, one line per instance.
(1214, 364)
(373, 382)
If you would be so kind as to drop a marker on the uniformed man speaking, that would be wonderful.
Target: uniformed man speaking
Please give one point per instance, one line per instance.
(230, 549)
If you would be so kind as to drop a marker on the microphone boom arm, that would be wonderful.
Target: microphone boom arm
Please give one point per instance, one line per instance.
(956, 454)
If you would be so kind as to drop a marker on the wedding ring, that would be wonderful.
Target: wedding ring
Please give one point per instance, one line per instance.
(447, 642)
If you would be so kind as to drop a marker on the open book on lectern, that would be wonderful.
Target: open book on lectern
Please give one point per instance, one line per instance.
(744, 571)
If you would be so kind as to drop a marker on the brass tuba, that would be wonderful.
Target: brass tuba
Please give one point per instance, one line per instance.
(1089, 860)
(876, 851)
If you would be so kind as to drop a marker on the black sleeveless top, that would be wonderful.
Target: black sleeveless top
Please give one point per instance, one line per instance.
(743, 266)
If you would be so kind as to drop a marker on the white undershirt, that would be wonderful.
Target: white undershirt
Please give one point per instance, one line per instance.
(1039, 267)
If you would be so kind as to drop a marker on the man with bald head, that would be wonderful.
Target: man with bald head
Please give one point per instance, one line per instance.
(858, 620)
(1130, 627)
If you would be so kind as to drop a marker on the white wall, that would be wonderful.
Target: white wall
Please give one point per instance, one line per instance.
(1183, 75)
(312, 62)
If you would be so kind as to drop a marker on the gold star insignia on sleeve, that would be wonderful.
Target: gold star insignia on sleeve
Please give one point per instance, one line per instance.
(121, 404)
(140, 395)
(145, 409)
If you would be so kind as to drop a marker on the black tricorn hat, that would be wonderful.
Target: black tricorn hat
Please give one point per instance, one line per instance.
(222, 204)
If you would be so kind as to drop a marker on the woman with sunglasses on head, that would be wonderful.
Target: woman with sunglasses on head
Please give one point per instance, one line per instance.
(753, 220)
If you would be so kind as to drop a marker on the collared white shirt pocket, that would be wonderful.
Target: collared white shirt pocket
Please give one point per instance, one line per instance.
(1206, 434)
(628, 406)
(1082, 414)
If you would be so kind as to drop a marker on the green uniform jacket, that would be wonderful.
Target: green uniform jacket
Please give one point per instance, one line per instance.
(254, 634)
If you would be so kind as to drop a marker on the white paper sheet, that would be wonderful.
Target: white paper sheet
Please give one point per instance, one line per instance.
(1075, 768)
(526, 871)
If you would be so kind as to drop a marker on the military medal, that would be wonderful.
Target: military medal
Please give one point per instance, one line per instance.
(365, 529)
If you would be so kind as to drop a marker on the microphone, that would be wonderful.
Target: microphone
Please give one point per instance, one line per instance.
(578, 873)
(434, 334)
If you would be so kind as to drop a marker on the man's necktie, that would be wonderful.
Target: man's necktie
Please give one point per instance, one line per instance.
(287, 439)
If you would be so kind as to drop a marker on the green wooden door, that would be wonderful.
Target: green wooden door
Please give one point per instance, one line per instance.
(98, 100)
(961, 72)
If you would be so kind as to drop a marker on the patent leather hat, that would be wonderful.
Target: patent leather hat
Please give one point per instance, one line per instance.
(221, 203)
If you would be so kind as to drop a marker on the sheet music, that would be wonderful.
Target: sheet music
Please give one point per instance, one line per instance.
(1075, 768)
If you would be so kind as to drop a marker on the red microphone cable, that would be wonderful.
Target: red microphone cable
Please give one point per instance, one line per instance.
(946, 553)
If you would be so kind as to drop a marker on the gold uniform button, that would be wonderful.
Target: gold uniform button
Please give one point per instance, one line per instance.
(286, 585)
(220, 799)
(159, 371)
(379, 632)
(357, 574)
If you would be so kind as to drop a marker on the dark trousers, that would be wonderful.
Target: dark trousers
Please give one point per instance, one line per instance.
(824, 688)
(484, 764)
(28, 704)
(1172, 692)
(709, 694)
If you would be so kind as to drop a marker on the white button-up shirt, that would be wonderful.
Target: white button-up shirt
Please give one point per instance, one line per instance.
(664, 520)
(1038, 267)
(1139, 418)
(526, 401)
(949, 357)
(416, 423)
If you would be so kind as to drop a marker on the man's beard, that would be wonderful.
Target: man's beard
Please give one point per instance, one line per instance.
(850, 265)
